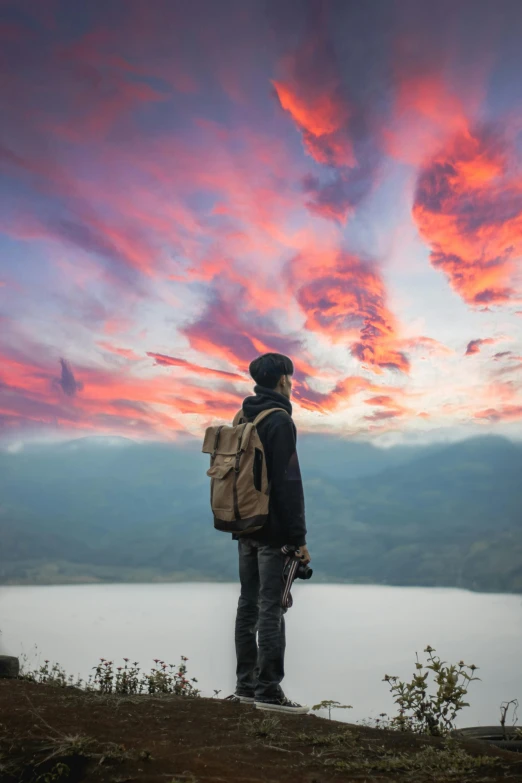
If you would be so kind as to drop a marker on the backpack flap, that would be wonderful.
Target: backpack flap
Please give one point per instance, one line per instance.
(227, 440)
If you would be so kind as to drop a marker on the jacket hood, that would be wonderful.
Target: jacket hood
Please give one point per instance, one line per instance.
(264, 399)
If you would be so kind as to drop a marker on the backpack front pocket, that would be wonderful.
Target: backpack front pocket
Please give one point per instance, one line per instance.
(222, 488)
(219, 471)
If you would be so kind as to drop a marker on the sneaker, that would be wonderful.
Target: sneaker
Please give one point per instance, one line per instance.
(281, 705)
(237, 698)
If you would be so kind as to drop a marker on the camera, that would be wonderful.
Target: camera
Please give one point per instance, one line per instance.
(304, 572)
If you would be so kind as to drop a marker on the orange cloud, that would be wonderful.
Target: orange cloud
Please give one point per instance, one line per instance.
(36, 394)
(345, 298)
(393, 408)
(468, 207)
(321, 115)
(343, 391)
(221, 403)
(382, 399)
(336, 128)
(171, 361)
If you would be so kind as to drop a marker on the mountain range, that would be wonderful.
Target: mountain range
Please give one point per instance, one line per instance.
(98, 509)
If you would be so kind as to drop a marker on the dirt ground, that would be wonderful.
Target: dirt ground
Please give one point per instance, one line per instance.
(50, 734)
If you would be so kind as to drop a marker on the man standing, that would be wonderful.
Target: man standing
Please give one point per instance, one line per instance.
(260, 663)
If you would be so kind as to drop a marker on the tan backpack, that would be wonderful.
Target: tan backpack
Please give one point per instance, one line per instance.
(239, 489)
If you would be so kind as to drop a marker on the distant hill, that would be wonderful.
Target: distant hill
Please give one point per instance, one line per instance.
(115, 509)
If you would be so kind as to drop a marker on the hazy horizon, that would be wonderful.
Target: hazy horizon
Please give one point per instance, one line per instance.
(386, 441)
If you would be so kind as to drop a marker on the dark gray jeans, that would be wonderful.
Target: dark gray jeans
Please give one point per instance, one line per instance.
(260, 662)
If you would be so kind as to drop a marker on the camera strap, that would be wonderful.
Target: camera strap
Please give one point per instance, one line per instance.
(290, 566)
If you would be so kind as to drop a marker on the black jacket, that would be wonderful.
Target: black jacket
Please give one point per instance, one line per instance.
(286, 518)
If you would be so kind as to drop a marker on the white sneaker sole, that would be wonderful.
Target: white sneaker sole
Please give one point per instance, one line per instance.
(246, 699)
(263, 705)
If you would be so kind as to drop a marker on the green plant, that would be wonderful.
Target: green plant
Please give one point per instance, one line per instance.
(340, 739)
(60, 771)
(328, 704)
(381, 722)
(51, 674)
(67, 745)
(267, 728)
(434, 713)
(446, 762)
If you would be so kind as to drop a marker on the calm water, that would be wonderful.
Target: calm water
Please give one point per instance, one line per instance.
(342, 639)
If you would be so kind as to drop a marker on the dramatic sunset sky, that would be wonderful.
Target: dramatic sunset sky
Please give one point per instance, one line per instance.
(187, 184)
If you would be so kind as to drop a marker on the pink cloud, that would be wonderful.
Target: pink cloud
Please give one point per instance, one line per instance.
(126, 353)
(171, 361)
(501, 413)
(474, 346)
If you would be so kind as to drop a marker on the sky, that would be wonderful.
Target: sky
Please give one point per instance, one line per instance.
(186, 185)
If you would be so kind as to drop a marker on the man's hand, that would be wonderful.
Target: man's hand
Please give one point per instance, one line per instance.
(304, 555)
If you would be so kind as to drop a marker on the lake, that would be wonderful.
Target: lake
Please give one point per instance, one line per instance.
(341, 639)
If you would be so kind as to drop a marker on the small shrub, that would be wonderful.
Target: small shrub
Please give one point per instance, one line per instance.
(434, 713)
(504, 709)
(328, 704)
(127, 680)
(267, 728)
(51, 674)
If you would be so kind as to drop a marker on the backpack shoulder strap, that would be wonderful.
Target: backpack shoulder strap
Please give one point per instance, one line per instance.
(259, 418)
(237, 418)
